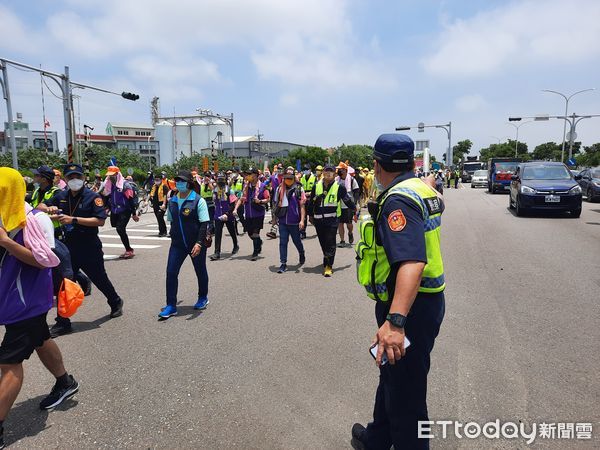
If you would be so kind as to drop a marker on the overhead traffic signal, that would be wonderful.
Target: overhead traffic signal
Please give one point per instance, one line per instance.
(514, 119)
(130, 96)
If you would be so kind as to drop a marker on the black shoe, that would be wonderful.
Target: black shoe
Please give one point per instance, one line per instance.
(302, 235)
(342, 244)
(302, 259)
(1, 437)
(235, 250)
(59, 394)
(215, 257)
(254, 257)
(282, 268)
(350, 238)
(60, 329)
(117, 310)
(358, 436)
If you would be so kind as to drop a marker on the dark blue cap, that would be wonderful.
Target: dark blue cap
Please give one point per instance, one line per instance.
(72, 168)
(44, 172)
(394, 148)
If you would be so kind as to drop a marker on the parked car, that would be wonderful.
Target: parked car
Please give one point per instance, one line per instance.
(479, 179)
(575, 172)
(544, 186)
(590, 183)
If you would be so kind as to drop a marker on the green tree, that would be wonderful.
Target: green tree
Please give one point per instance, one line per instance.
(505, 150)
(461, 149)
(590, 157)
(357, 155)
(32, 158)
(547, 151)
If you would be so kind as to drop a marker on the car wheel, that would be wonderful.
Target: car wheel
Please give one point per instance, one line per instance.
(590, 196)
(472, 187)
(518, 209)
(575, 213)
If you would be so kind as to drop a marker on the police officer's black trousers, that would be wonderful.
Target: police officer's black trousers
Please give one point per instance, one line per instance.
(401, 399)
(219, 224)
(327, 234)
(87, 255)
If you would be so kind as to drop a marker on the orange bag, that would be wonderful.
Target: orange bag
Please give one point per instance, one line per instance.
(70, 297)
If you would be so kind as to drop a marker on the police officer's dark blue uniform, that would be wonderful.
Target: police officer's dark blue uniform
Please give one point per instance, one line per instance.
(83, 241)
(401, 396)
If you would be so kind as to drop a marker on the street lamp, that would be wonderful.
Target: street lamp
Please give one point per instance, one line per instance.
(562, 158)
(515, 119)
(447, 127)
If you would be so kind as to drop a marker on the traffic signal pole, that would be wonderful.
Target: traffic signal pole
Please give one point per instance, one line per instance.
(66, 86)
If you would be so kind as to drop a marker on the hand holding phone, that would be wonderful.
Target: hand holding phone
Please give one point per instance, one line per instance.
(384, 358)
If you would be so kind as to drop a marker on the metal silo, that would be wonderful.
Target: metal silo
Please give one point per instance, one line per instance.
(182, 139)
(199, 135)
(217, 125)
(163, 133)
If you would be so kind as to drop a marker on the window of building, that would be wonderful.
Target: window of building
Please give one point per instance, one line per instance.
(41, 144)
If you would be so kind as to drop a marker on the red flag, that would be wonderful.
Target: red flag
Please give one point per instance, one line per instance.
(46, 124)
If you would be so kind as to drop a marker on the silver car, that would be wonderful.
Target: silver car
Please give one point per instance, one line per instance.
(480, 179)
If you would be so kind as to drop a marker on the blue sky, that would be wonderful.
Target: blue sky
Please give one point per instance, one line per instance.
(320, 72)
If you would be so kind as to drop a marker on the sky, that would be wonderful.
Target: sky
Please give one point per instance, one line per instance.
(315, 72)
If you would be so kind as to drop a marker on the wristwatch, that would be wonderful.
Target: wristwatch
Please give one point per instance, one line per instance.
(398, 320)
(74, 221)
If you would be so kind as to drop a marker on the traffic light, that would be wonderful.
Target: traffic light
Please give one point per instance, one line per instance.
(514, 119)
(444, 157)
(130, 96)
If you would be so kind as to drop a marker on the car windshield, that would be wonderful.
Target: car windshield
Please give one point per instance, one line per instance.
(480, 173)
(506, 167)
(596, 173)
(546, 173)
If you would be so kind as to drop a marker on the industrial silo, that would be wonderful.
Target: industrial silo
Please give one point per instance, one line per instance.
(163, 133)
(182, 139)
(199, 135)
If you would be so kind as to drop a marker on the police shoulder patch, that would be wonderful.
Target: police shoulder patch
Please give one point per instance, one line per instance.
(434, 205)
(396, 220)
(99, 202)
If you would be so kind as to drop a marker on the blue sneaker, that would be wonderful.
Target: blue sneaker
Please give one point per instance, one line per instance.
(167, 312)
(201, 303)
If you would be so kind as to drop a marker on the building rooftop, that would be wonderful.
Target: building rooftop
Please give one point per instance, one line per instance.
(138, 126)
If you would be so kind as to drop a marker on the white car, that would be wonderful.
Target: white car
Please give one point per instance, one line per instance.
(479, 179)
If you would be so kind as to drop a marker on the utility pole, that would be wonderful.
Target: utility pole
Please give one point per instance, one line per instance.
(446, 126)
(11, 125)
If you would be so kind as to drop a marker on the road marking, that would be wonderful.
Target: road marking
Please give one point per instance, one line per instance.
(110, 257)
(142, 230)
(136, 247)
(155, 238)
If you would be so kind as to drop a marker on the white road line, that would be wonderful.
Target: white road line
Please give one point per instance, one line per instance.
(142, 230)
(135, 246)
(149, 238)
(110, 257)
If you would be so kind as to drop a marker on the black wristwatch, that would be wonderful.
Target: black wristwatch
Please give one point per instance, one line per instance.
(74, 221)
(398, 320)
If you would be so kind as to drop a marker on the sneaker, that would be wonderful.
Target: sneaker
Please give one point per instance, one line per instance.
(282, 268)
(350, 238)
(59, 394)
(272, 235)
(342, 244)
(127, 255)
(235, 250)
(328, 271)
(60, 329)
(302, 259)
(201, 303)
(358, 437)
(167, 312)
(215, 257)
(117, 310)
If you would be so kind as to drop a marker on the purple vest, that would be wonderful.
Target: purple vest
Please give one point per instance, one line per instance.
(118, 202)
(292, 215)
(25, 291)
(252, 210)
(222, 203)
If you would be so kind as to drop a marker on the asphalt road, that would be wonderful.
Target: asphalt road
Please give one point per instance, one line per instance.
(281, 362)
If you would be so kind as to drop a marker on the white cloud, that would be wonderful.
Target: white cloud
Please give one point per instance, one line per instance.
(470, 103)
(289, 100)
(553, 32)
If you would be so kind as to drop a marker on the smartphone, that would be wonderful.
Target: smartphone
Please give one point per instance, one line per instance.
(384, 358)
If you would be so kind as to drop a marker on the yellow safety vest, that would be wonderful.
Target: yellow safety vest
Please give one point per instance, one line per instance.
(205, 193)
(35, 201)
(308, 184)
(373, 267)
(330, 207)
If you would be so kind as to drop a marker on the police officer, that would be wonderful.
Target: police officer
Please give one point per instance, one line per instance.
(43, 180)
(236, 184)
(407, 282)
(206, 192)
(325, 211)
(224, 203)
(81, 211)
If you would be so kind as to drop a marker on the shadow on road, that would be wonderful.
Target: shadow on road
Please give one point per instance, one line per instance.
(319, 269)
(81, 327)
(27, 420)
(593, 223)
(542, 214)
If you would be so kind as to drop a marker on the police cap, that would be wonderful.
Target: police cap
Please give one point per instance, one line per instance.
(44, 172)
(73, 168)
(394, 148)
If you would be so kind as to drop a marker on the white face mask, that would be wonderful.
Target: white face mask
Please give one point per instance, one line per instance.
(36, 185)
(380, 187)
(75, 184)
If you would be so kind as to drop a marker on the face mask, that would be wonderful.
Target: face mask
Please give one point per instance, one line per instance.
(75, 184)
(157, 182)
(380, 187)
(181, 186)
(36, 185)
(307, 172)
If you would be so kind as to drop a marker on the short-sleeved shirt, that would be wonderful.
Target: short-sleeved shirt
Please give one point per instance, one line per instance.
(406, 244)
(202, 208)
(86, 203)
